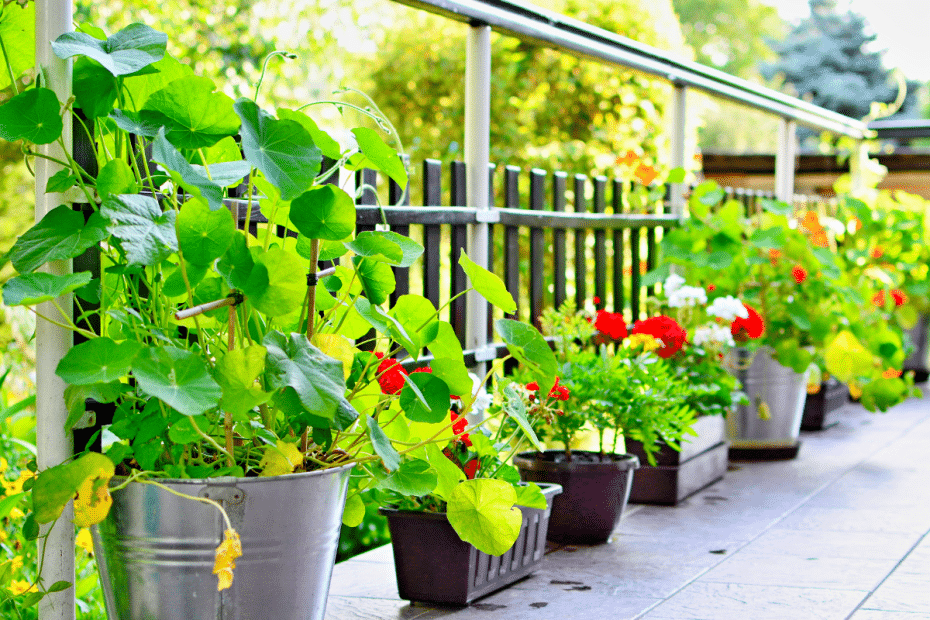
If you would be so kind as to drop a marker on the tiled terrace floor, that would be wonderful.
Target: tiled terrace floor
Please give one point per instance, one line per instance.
(841, 532)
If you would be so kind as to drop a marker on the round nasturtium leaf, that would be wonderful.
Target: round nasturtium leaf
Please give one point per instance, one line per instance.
(99, 360)
(177, 377)
(194, 115)
(272, 287)
(434, 391)
(33, 115)
(204, 235)
(324, 212)
(482, 513)
(133, 48)
(415, 477)
(377, 279)
(39, 287)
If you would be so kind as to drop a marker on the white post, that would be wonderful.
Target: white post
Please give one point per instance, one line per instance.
(857, 164)
(785, 160)
(678, 137)
(477, 155)
(54, 445)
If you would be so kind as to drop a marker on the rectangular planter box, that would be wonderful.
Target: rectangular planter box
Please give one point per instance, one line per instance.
(702, 461)
(434, 565)
(821, 409)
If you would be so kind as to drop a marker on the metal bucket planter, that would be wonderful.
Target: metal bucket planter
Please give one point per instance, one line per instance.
(155, 551)
(434, 565)
(770, 425)
(594, 491)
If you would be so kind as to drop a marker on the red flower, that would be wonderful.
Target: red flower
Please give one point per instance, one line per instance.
(391, 376)
(422, 369)
(751, 327)
(877, 251)
(799, 274)
(898, 296)
(532, 385)
(711, 288)
(611, 324)
(667, 330)
(459, 424)
(597, 300)
(471, 468)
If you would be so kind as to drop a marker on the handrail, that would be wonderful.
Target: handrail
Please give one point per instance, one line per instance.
(901, 128)
(538, 25)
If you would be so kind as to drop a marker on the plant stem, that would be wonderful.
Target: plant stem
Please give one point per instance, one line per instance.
(311, 285)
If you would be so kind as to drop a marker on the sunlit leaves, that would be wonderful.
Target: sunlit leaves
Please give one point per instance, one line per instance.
(204, 235)
(434, 391)
(380, 154)
(183, 173)
(528, 346)
(271, 285)
(99, 360)
(313, 378)
(147, 233)
(386, 246)
(56, 486)
(238, 372)
(60, 234)
(17, 31)
(36, 288)
(414, 477)
(482, 513)
(489, 285)
(382, 445)
(194, 115)
(133, 48)
(323, 212)
(178, 378)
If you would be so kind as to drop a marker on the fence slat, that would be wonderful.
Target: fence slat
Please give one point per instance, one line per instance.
(512, 236)
(559, 249)
(600, 242)
(398, 196)
(537, 246)
(618, 248)
(458, 311)
(492, 168)
(581, 240)
(432, 233)
(634, 272)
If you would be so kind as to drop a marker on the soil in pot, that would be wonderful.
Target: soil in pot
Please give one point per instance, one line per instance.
(595, 491)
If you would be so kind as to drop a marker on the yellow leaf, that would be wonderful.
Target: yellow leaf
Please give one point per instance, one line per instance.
(846, 358)
(85, 541)
(225, 562)
(647, 342)
(337, 347)
(92, 501)
(281, 459)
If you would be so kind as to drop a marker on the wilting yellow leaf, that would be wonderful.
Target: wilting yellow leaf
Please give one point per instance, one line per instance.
(225, 562)
(846, 358)
(337, 347)
(280, 459)
(92, 501)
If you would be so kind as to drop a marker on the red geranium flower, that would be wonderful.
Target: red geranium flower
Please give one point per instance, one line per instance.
(751, 327)
(459, 424)
(898, 296)
(799, 274)
(711, 288)
(666, 329)
(391, 376)
(611, 324)
(471, 468)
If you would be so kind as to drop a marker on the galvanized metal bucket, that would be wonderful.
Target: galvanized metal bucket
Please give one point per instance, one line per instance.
(772, 419)
(155, 551)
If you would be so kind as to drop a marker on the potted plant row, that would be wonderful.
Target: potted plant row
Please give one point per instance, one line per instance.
(242, 401)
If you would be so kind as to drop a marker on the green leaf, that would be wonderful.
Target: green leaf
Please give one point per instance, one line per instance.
(531, 496)
(238, 372)
(76, 398)
(178, 378)
(59, 586)
(131, 49)
(382, 445)
(271, 286)
(371, 245)
(184, 431)
(675, 175)
(315, 379)
(8, 503)
(436, 394)
(131, 123)
(36, 288)
(482, 513)
(381, 155)
(59, 235)
(225, 174)
(414, 478)
(455, 375)
(329, 147)
(147, 233)
(528, 346)
(183, 173)
(412, 313)
(377, 279)
(514, 407)
(236, 263)
(204, 235)
(61, 181)
(99, 360)
(489, 285)
(657, 275)
(281, 149)
(354, 512)
(448, 475)
(95, 88)
(17, 31)
(846, 358)
(116, 178)
(776, 206)
(55, 486)
(33, 115)
(139, 87)
(329, 250)
(323, 212)
(194, 115)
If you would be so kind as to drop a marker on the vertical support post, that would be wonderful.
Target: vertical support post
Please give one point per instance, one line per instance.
(477, 156)
(678, 136)
(785, 160)
(857, 165)
(54, 445)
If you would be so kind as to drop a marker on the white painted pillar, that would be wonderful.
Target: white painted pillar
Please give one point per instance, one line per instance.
(857, 164)
(54, 445)
(477, 156)
(785, 160)
(678, 138)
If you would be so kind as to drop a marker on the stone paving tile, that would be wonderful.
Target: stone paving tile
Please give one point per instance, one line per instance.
(720, 601)
(902, 591)
(816, 543)
(874, 614)
(801, 572)
(860, 520)
(364, 579)
(355, 608)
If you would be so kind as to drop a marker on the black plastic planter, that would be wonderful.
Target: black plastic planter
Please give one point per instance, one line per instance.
(433, 565)
(676, 475)
(594, 491)
(820, 409)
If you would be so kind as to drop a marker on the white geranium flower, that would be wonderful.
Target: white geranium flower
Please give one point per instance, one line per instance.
(714, 335)
(727, 308)
(672, 284)
(687, 297)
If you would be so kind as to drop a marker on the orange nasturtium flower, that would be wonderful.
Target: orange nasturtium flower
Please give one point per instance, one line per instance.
(773, 256)
(226, 554)
(645, 174)
(627, 159)
(820, 239)
(891, 373)
(811, 223)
